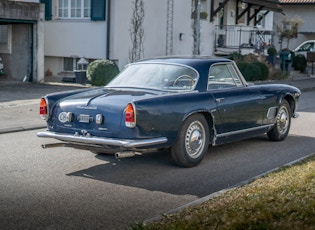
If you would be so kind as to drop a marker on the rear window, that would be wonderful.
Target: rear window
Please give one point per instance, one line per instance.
(157, 76)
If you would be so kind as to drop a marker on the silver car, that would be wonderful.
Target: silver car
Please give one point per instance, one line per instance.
(307, 46)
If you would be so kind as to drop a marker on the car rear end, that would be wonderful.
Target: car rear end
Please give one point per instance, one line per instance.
(104, 118)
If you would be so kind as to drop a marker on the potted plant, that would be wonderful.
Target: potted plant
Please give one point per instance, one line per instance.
(271, 58)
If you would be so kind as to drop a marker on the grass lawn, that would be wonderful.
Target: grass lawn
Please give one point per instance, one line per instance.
(284, 199)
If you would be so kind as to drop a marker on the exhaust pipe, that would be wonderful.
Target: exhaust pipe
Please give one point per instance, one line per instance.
(46, 146)
(126, 154)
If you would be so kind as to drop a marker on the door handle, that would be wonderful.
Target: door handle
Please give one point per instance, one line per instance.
(219, 99)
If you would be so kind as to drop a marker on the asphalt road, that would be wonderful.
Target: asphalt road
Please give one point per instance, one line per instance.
(62, 188)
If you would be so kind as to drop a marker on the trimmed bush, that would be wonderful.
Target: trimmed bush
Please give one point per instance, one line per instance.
(264, 70)
(101, 72)
(237, 57)
(250, 71)
(299, 63)
(271, 58)
(256, 71)
(272, 51)
(242, 66)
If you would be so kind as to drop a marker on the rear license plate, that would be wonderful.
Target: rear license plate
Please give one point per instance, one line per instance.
(84, 118)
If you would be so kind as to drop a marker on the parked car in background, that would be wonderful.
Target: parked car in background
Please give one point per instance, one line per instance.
(177, 103)
(307, 46)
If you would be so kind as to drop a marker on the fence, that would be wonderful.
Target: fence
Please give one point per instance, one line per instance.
(242, 38)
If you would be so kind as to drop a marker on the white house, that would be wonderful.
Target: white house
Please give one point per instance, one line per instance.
(303, 9)
(101, 29)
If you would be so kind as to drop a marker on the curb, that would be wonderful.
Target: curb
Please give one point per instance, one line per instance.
(21, 129)
(221, 192)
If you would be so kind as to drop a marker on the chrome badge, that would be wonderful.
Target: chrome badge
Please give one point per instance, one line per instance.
(65, 117)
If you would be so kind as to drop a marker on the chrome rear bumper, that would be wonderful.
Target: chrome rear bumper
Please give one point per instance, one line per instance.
(90, 140)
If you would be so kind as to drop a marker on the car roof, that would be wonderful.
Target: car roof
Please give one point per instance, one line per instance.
(197, 62)
(185, 59)
(308, 41)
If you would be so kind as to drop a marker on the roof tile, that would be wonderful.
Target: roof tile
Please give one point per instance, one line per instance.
(297, 1)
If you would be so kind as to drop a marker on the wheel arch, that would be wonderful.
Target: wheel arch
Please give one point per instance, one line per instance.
(193, 139)
(289, 98)
(210, 121)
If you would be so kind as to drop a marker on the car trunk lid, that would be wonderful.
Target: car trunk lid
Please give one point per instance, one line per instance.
(96, 111)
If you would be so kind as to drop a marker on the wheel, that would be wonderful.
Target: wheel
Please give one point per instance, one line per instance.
(283, 122)
(192, 142)
(189, 78)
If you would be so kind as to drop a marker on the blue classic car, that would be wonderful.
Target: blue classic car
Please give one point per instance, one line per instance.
(177, 103)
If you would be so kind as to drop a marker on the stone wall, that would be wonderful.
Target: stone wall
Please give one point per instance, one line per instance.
(13, 10)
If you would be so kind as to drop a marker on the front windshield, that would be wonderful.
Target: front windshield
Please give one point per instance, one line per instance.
(160, 76)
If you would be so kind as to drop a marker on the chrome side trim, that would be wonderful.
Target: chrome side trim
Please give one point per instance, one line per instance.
(244, 130)
(124, 143)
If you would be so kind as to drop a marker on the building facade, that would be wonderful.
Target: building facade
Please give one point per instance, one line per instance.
(103, 29)
(128, 30)
(303, 9)
(22, 39)
(70, 36)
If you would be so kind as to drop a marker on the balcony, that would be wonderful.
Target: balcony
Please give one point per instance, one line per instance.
(241, 39)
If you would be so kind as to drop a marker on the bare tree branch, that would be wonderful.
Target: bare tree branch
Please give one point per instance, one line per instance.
(137, 31)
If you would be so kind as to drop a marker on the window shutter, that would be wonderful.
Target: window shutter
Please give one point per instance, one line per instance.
(98, 10)
(47, 9)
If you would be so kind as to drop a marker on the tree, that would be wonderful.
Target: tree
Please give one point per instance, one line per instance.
(137, 31)
(289, 29)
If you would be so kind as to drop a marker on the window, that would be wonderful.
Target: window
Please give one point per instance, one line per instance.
(307, 47)
(156, 76)
(3, 35)
(5, 38)
(223, 76)
(235, 75)
(69, 64)
(260, 19)
(75, 9)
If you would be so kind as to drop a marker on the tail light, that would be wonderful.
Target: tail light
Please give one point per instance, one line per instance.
(130, 116)
(43, 109)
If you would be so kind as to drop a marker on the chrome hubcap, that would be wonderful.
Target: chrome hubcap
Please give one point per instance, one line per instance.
(283, 120)
(194, 139)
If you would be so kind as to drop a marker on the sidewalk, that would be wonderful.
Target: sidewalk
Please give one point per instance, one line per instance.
(19, 101)
(19, 104)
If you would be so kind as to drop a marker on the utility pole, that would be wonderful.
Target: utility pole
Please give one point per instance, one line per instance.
(169, 27)
(197, 28)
